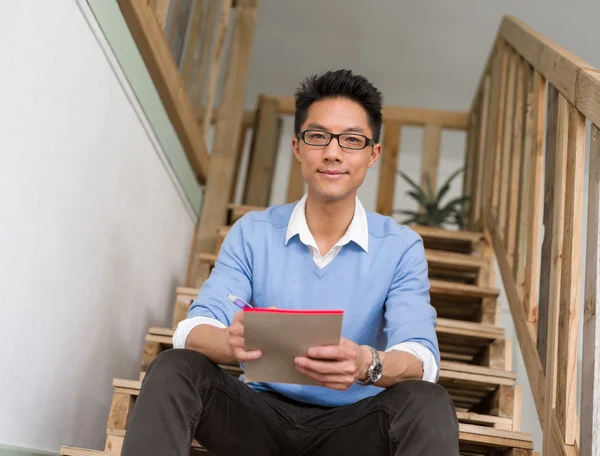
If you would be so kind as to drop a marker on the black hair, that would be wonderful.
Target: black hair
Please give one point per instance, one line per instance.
(339, 84)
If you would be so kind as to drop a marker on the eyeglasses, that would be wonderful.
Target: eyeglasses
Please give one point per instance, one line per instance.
(350, 141)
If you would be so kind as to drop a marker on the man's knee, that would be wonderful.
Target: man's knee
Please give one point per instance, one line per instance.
(421, 399)
(179, 365)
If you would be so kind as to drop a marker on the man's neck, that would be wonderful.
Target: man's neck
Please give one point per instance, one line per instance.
(328, 221)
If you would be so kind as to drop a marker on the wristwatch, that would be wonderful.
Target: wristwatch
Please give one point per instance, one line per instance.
(375, 369)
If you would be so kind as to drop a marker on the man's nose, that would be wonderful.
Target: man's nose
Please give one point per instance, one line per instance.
(333, 151)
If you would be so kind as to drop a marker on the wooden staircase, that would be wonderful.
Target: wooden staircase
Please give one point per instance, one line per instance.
(476, 358)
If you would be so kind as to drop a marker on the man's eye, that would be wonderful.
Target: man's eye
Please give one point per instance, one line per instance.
(316, 136)
(353, 139)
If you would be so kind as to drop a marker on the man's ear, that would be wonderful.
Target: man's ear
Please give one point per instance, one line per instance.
(296, 148)
(375, 153)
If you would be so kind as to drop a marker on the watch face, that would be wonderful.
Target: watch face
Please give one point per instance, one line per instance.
(376, 372)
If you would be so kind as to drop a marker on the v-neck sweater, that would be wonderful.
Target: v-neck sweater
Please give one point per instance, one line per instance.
(384, 292)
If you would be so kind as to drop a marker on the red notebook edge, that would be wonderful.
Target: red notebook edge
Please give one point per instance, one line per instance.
(295, 311)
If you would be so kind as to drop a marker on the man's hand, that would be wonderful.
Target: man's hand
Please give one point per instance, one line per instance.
(235, 333)
(336, 366)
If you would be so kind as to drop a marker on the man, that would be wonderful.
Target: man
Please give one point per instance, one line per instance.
(377, 393)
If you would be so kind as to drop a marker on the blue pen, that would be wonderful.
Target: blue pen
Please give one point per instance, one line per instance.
(239, 302)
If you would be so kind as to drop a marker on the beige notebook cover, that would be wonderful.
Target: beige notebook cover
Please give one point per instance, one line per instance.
(282, 335)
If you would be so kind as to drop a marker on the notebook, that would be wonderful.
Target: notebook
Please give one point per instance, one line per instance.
(282, 335)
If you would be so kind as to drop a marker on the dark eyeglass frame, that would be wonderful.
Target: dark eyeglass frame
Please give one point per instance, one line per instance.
(368, 141)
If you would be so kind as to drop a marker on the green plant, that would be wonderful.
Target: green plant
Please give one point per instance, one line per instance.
(430, 211)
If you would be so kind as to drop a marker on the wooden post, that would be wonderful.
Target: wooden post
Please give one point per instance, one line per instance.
(431, 155)
(590, 373)
(192, 45)
(263, 152)
(507, 137)
(566, 359)
(215, 63)
(481, 153)
(388, 167)
(295, 189)
(533, 254)
(516, 165)
(552, 310)
(498, 126)
(196, 95)
(549, 199)
(229, 121)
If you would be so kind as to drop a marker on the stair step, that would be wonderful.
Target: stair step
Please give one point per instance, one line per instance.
(459, 301)
(435, 238)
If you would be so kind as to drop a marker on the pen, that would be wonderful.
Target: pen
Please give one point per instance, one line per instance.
(239, 302)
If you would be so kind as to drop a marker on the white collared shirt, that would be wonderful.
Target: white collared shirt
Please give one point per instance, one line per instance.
(357, 232)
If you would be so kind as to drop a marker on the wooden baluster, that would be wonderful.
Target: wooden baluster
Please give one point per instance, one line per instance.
(590, 373)
(482, 156)
(295, 189)
(556, 204)
(265, 143)
(512, 209)
(570, 293)
(523, 201)
(192, 47)
(507, 137)
(215, 62)
(176, 28)
(388, 166)
(534, 214)
(471, 158)
(431, 156)
(498, 116)
(162, 11)
(198, 92)
(549, 192)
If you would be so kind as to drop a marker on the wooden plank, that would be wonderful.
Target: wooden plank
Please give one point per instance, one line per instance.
(505, 150)
(556, 265)
(114, 444)
(524, 179)
(295, 189)
(419, 117)
(388, 167)
(533, 254)
(169, 84)
(198, 92)
(73, 451)
(162, 11)
(176, 28)
(214, 212)
(263, 153)
(494, 125)
(546, 256)
(192, 46)
(431, 156)
(494, 437)
(481, 150)
(512, 209)
(523, 328)
(590, 367)
(461, 290)
(570, 293)
(575, 79)
(120, 411)
(215, 61)
(471, 160)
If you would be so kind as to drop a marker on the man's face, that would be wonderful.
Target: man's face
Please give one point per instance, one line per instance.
(331, 172)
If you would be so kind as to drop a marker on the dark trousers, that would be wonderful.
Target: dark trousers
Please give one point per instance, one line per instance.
(186, 396)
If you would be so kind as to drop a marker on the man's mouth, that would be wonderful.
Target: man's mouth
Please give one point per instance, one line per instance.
(331, 172)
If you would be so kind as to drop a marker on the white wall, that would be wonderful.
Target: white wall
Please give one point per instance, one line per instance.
(94, 231)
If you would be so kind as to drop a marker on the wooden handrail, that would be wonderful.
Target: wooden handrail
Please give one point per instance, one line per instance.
(506, 146)
(147, 32)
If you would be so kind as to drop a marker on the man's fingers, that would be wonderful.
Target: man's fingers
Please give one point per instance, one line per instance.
(236, 329)
(243, 355)
(339, 382)
(326, 367)
(334, 352)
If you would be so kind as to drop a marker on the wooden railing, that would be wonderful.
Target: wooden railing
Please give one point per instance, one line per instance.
(534, 92)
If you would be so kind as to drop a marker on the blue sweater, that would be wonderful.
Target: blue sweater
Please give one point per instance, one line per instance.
(384, 293)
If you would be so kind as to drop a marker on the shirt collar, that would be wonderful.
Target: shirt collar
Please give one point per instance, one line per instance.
(358, 231)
